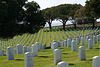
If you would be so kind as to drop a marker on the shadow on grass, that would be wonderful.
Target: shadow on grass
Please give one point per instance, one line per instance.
(47, 48)
(19, 59)
(43, 56)
(4, 55)
(64, 53)
(97, 48)
(71, 64)
(89, 59)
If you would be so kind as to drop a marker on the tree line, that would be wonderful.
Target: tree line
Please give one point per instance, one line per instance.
(21, 16)
(76, 13)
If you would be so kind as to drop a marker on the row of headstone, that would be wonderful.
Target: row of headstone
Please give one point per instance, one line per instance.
(34, 38)
(44, 46)
(39, 35)
(73, 32)
(25, 42)
(61, 34)
(78, 34)
(1, 52)
(42, 36)
(65, 34)
(69, 33)
(22, 39)
(58, 35)
(30, 39)
(53, 35)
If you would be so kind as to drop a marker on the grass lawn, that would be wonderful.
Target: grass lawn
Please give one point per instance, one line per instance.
(46, 57)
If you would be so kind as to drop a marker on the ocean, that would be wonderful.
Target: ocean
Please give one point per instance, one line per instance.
(57, 23)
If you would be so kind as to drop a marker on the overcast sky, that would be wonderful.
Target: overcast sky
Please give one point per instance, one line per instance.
(49, 3)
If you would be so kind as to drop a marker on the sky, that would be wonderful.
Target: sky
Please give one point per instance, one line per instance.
(49, 3)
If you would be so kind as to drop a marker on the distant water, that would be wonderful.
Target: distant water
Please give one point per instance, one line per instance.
(57, 23)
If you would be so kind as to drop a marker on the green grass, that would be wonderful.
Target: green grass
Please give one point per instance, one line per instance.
(46, 57)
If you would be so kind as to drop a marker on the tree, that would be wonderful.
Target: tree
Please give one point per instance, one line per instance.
(49, 15)
(33, 17)
(80, 15)
(10, 10)
(92, 9)
(65, 11)
(19, 16)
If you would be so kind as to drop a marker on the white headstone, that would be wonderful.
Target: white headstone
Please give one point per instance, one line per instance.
(74, 46)
(62, 64)
(90, 44)
(87, 38)
(39, 46)
(97, 38)
(52, 43)
(96, 61)
(29, 59)
(1, 52)
(19, 49)
(15, 51)
(68, 42)
(29, 49)
(82, 41)
(24, 49)
(77, 41)
(55, 46)
(94, 39)
(10, 53)
(62, 43)
(82, 53)
(65, 43)
(57, 56)
(35, 50)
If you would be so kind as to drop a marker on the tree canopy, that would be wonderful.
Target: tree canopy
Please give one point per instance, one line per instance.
(14, 12)
(92, 10)
(61, 12)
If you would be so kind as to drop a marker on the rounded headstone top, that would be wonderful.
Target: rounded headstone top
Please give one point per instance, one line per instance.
(96, 57)
(55, 43)
(56, 49)
(29, 54)
(89, 39)
(73, 40)
(62, 62)
(81, 47)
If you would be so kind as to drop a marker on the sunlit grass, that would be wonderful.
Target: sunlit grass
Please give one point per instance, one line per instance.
(46, 57)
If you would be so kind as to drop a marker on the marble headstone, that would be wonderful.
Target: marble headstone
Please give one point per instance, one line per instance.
(10, 53)
(82, 53)
(65, 43)
(82, 41)
(68, 42)
(29, 59)
(1, 52)
(74, 46)
(90, 44)
(96, 61)
(19, 49)
(35, 50)
(57, 56)
(24, 49)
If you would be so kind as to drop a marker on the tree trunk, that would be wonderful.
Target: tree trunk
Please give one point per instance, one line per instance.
(74, 26)
(93, 24)
(64, 26)
(49, 25)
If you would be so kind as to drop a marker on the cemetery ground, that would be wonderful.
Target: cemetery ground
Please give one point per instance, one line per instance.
(45, 57)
